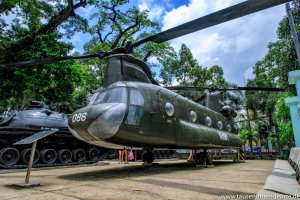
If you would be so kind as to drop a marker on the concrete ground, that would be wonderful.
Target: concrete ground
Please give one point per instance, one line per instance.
(170, 180)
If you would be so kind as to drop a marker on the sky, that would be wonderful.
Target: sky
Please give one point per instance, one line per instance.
(235, 45)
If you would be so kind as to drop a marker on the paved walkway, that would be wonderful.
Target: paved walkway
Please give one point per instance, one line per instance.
(169, 180)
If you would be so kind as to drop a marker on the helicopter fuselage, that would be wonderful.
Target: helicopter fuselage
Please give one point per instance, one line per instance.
(143, 115)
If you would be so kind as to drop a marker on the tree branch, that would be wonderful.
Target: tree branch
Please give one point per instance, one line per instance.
(51, 26)
(100, 35)
(132, 33)
(105, 37)
(113, 9)
(137, 23)
(102, 40)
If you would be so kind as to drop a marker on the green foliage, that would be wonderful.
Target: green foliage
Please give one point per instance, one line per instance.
(185, 70)
(282, 117)
(116, 22)
(38, 18)
(71, 82)
(27, 12)
(272, 71)
(250, 136)
(50, 83)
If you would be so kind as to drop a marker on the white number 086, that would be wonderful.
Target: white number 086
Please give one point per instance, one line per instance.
(79, 117)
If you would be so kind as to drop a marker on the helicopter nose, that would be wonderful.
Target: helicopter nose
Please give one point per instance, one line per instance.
(108, 123)
(102, 121)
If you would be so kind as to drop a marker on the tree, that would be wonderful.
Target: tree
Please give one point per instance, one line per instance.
(51, 83)
(32, 14)
(117, 24)
(185, 70)
(282, 118)
(250, 136)
(272, 71)
(38, 37)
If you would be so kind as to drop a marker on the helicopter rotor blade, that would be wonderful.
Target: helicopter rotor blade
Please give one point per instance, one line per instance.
(227, 14)
(187, 88)
(257, 89)
(224, 89)
(48, 61)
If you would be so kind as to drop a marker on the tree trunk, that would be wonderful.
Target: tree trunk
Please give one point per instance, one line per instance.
(249, 128)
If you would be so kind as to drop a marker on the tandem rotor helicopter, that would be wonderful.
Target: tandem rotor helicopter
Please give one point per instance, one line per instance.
(133, 110)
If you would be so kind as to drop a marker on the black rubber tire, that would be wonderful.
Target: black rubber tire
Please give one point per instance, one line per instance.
(168, 154)
(148, 157)
(92, 154)
(64, 156)
(200, 158)
(48, 156)
(208, 158)
(25, 156)
(78, 155)
(163, 154)
(9, 156)
(156, 156)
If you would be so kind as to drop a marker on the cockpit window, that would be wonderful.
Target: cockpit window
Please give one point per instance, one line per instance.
(136, 107)
(100, 97)
(93, 98)
(115, 95)
(136, 98)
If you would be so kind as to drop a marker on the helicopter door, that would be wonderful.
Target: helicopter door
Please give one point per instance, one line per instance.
(135, 108)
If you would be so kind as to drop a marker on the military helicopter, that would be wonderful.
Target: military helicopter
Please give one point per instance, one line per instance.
(133, 110)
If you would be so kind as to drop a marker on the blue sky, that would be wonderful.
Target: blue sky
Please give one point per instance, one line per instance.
(235, 46)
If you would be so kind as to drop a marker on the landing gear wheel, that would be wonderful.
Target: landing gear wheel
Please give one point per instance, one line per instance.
(64, 156)
(48, 156)
(78, 155)
(9, 156)
(209, 159)
(93, 154)
(148, 157)
(25, 156)
(204, 158)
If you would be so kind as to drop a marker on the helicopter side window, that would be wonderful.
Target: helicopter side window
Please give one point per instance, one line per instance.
(136, 107)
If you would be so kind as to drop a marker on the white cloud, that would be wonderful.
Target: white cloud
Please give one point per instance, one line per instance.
(155, 10)
(248, 75)
(86, 11)
(73, 51)
(235, 45)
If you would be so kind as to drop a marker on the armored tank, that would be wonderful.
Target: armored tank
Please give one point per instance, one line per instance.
(60, 148)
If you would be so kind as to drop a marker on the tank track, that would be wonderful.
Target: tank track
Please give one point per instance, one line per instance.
(8, 136)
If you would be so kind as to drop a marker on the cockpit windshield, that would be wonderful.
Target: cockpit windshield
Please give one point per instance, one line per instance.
(114, 95)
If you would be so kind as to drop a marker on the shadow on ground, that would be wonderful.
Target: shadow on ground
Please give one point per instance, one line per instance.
(134, 171)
